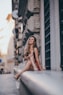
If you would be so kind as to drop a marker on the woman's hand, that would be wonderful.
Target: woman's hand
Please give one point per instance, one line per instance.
(27, 57)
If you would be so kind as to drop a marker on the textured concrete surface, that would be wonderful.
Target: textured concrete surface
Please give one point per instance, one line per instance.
(44, 82)
(8, 85)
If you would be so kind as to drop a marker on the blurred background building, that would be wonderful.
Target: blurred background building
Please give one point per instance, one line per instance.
(6, 36)
(44, 20)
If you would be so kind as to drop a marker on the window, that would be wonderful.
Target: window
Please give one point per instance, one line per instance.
(47, 33)
(61, 29)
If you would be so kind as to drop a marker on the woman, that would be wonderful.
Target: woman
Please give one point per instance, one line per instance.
(31, 56)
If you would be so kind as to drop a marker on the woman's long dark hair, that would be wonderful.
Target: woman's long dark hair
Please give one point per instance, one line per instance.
(28, 47)
(35, 42)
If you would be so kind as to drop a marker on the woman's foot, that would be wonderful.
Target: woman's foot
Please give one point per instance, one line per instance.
(17, 76)
(42, 69)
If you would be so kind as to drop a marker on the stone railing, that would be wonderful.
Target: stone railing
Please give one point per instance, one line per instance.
(41, 82)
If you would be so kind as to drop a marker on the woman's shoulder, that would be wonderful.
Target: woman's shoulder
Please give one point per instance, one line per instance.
(35, 49)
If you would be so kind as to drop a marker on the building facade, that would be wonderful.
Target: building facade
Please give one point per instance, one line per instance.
(44, 20)
(51, 33)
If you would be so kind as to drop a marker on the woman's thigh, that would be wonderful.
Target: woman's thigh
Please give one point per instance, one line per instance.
(29, 65)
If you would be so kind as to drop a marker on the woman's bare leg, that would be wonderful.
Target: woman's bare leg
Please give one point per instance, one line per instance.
(26, 68)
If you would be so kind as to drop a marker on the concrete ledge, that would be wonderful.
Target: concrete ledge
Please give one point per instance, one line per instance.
(43, 82)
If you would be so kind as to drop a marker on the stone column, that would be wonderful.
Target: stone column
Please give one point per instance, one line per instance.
(55, 34)
(42, 35)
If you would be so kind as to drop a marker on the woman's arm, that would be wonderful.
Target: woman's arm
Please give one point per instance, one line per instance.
(26, 57)
(37, 58)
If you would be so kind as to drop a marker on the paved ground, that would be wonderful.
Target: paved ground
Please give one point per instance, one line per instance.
(8, 85)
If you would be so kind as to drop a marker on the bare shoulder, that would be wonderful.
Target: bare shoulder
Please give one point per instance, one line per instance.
(35, 49)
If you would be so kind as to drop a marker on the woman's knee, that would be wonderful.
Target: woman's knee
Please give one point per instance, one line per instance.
(29, 62)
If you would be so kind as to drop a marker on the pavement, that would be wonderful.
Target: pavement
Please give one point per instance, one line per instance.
(8, 85)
